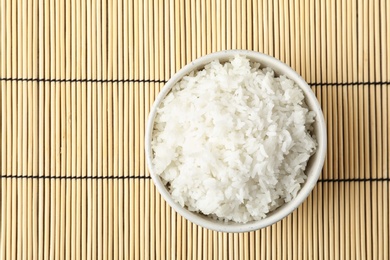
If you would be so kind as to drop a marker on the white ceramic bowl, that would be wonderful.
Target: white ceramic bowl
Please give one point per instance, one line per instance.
(313, 168)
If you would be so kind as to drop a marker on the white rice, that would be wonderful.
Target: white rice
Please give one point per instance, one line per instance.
(232, 140)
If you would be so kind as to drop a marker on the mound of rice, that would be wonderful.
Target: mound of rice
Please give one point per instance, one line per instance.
(232, 140)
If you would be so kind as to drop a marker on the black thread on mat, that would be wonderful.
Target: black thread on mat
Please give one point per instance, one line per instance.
(164, 81)
(148, 177)
(354, 180)
(86, 80)
(73, 177)
(348, 83)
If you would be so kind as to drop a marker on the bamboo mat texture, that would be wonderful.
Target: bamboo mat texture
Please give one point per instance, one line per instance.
(77, 81)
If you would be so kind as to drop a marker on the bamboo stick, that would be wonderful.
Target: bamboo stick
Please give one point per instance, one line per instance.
(143, 118)
(79, 146)
(52, 131)
(311, 66)
(88, 135)
(216, 22)
(183, 49)
(211, 30)
(251, 245)
(304, 39)
(63, 141)
(177, 38)
(220, 251)
(74, 138)
(295, 235)
(41, 117)
(236, 25)
(223, 25)
(113, 103)
(264, 24)
(138, 51)
(69, 119)
(248, 27)
(273, 241)
(47, 165)
(205, 244)
(213, 245)
(84, 136)
(121, 62)
(131, 134)
(204, 25)
(343, 127)
(229, 24)
(334, 110)
(349, 227)
(189, 241)
(388, 42)
(177, 240)
(292, 36)
(191, 32)
(164, 27)
(321, 203)
(14, 183)
(199, 244)
(377, 202)
(234, 242)
(308, 239)
(25, 185)
(91, 155)
(286, 37)
(367, 250)
(374, 75)
(277, 19)
(146, 228)
(316, 34)
(385, 32)
(126, 150)
(263, 244)
(57, 127)
(33, 133)
(93, 130)
(355, 225)
(99, 170)
(99, 102)
(315, 223)
(169, 230)
(244, 248)
(159, 224)
(386, 220)
(187, 32)
(153, 219)
(106, 183)
(255, 26)
(271, 36)
(192, 241)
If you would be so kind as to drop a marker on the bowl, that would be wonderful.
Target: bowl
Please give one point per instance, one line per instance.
(313, 168)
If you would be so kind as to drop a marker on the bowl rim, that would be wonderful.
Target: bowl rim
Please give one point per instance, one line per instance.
(310, 182)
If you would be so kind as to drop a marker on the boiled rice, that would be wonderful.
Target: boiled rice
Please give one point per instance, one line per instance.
(233, 140)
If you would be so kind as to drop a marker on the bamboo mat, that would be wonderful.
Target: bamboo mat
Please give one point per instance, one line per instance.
(77, 82)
